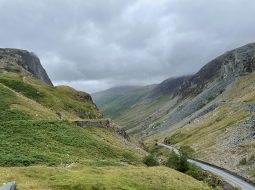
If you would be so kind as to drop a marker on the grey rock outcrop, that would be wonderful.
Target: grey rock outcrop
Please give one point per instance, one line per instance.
(123, 133)
(16, 60)
(9, 186)
(94, 123)
(232, 64)
(104, 124)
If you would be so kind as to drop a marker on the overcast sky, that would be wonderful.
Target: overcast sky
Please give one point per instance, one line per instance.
(96, 44)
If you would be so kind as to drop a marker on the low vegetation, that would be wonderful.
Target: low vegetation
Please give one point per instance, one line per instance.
(56, 155)
(58, 143)
(6, 114)
(151, 160)
(23, 88)
(70, 103)
(243, 161)
(178, 162)
(81, 177)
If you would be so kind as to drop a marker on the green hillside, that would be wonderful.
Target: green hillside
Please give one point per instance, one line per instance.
(40, 101)
(38, 151)
(100, 176)
(42, 150)
(58, 143)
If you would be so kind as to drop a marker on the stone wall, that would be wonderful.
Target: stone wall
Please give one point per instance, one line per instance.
(91, 123)
(103, 123)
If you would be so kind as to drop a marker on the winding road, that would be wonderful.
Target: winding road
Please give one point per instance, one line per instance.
(225, 175)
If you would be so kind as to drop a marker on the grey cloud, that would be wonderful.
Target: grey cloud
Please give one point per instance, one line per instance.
(94, 45)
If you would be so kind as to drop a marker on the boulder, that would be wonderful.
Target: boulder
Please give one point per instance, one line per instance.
(9, 186)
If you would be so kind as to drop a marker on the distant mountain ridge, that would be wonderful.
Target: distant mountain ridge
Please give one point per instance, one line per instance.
(121, 98)
(10, 59)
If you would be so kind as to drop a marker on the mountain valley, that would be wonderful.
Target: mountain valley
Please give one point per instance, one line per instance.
(42, 148)
(211, 111)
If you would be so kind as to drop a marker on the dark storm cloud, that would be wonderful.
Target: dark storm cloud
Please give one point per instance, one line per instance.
(93, 45)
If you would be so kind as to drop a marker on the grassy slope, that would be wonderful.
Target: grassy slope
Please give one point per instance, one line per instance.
(34, 96)
(56, 143)
(40, 149)
(16, 106)
(98, 158)
(82, 177)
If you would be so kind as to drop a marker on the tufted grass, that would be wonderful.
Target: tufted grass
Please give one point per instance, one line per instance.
(82, 177)
(6, 99)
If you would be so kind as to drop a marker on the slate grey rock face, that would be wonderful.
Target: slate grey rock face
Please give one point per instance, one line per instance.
(228, 66)
(84, 123)
(27, 60)
(9, 186)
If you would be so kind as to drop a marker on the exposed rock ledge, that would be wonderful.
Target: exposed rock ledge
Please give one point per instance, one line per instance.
(102, 123)
(94, 123)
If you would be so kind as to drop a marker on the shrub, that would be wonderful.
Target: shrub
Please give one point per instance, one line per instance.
(167, 140)
(243, 161)
(98, 187)
(173, 161)
(187, 151)
(178, 162)
(183, 163)
(151, 160)
(195, 172)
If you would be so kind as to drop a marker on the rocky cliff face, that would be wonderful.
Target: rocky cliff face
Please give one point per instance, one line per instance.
(232, 64)
(226, 67)
(23, 62)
